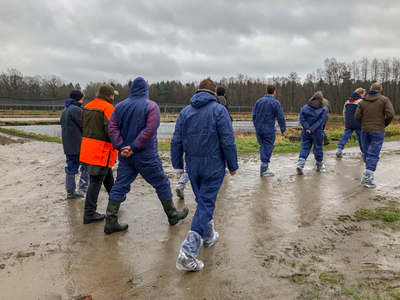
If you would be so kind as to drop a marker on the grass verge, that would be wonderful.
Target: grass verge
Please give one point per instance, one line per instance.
(33, 136)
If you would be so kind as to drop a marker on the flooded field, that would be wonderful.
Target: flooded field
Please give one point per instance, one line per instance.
(281, 237)
(165, 131)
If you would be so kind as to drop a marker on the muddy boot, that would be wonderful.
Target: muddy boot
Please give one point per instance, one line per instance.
(173, 215)
(112, 218)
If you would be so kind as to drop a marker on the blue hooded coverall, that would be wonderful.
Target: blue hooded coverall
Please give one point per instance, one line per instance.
(266, 110)
(204, 132)
(134, 123)
(350, 122)
(312, 117)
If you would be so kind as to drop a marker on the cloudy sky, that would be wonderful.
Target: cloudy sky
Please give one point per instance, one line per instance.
(99, 40)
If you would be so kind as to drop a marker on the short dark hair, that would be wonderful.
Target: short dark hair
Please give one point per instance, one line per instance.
(271, 89)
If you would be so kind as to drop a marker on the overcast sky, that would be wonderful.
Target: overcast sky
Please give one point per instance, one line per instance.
(99, 40)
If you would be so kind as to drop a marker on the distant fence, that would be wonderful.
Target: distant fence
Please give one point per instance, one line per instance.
(58, 104)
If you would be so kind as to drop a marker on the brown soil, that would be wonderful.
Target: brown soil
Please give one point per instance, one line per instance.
(281, 237)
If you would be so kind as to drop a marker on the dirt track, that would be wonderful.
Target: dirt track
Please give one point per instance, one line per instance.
(282, 237)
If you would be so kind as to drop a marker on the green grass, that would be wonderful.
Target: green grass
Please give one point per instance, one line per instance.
(298, 278)
(22, 123)
(388, 214)
(34, 136)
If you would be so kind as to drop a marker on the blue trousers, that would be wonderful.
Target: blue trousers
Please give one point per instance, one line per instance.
(346, 135)
(73, 167)
(266, 141)
(206, 178)
(371, 145)
(308, 140)
(150, 167)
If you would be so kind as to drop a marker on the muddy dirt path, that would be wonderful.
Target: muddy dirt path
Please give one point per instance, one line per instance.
(282, 237)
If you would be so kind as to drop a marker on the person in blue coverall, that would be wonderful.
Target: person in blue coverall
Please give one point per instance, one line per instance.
(312, 117)
(204, 132)
(133, 132)
(265, 112)
(351, 124)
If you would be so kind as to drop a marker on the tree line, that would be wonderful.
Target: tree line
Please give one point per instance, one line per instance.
(336, 79)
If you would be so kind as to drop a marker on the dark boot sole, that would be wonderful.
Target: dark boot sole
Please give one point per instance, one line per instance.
(112, 231)
(93, 221)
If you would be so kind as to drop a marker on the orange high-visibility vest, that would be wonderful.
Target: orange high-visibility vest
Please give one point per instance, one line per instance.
(97, 149)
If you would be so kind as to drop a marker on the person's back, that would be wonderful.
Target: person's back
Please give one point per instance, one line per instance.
(203, 131)
(350, 108)
(377, 112)
(71, 132)
(266, 110)
(199, 126)
(133, 115)
(311, 114)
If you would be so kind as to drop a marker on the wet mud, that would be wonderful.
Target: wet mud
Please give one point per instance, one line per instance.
(281, 237)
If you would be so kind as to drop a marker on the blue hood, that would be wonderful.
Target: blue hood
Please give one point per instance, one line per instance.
(201, 98)
(139, 88)
(355, 96)
(70, 101)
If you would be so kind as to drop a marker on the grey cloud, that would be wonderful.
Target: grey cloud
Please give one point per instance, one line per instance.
(188, 40)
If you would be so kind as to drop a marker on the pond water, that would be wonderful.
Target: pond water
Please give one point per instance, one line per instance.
(165, 131)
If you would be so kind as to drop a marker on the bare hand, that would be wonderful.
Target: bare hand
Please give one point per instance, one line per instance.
(233, 172)
(126, 151)
(308, 131)
(283, 133)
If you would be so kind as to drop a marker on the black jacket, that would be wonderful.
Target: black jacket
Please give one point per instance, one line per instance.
(71, 132)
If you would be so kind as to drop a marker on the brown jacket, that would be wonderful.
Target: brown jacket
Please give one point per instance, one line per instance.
(374, 113)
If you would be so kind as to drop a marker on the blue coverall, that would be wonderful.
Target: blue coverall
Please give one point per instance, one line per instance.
(266, 110)
(134, 123)
(204, 132)
(312, 117)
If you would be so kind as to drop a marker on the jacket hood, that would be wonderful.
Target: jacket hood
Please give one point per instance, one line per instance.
(315, 104)
(201, 98)
(372, 96)
(139, 88)
(70, 101)
(355, 96)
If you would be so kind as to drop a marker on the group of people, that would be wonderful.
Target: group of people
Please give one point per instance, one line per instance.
(367, 115)
(97, 134)
(101, 133)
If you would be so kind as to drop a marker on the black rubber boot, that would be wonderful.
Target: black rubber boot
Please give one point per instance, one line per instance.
(173, 215)
(112, 218)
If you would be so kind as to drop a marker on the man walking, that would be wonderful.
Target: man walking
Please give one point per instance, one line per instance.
(133, 131)
(265, 112)
(374, 113)
(71, 134)
(204, 133)
(351, 124)
(97, 152)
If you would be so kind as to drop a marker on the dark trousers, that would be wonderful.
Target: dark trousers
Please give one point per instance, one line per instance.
(93, 190)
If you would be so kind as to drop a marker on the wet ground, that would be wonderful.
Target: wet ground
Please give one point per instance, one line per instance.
(273, 232)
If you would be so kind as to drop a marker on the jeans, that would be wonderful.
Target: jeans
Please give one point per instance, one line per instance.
(73, 167)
